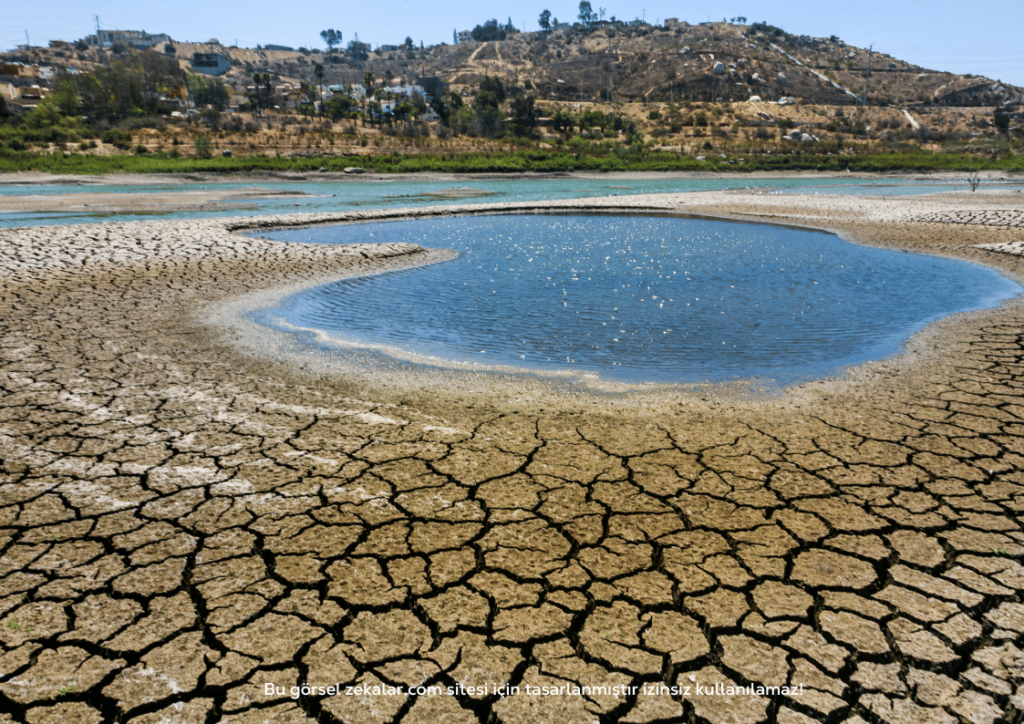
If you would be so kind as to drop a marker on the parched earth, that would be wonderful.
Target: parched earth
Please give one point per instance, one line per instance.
(189, 530)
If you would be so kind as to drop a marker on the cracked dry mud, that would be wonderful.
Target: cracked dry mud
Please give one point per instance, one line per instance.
(183, 522)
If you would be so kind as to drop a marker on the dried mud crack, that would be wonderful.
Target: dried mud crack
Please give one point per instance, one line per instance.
(188, 530)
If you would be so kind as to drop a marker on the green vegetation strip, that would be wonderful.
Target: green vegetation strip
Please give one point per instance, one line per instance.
(517, 162)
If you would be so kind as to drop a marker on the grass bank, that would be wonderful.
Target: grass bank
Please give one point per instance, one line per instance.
(510, 162)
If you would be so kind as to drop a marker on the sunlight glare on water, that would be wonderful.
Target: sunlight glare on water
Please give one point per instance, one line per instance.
(639, 299)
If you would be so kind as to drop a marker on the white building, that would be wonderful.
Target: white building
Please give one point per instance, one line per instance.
(405, 90)
(133, 38)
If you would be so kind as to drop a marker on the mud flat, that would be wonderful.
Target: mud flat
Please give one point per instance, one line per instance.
(147, 202)
(197, 516)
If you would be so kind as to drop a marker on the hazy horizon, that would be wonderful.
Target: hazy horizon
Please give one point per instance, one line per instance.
(981, 38)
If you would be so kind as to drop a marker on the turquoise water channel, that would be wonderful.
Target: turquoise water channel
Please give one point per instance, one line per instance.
(349, 195)
(635, 298)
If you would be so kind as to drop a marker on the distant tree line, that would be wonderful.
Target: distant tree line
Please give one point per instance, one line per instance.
(138, 84)
(490, 30)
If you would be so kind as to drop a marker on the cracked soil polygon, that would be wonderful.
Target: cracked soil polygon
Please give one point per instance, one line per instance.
(190, 511)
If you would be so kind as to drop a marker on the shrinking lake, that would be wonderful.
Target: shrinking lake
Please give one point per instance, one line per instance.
(636, 298)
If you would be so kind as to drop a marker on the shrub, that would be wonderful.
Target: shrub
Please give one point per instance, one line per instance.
(60, 136)
(204, 149)
(117, 138)
(211, 117)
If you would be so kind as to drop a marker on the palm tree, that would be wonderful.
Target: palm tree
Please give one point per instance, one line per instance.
(318, 70)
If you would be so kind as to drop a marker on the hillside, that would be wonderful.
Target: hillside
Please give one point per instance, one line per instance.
(656, 63)
(734, 90)
(643, 63)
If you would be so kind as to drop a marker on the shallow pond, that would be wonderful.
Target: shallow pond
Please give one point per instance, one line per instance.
(635, 298)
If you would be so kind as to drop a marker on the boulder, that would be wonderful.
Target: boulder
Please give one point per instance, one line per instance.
(741, 63)
(755, 99)
(755, 78)
(807, 138)
(226, 153)
(685, 50)
(795, 134)
(719, 69)
(782, 79)
(353, 169)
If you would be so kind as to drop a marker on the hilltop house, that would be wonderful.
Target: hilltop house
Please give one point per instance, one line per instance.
(133, 38)
(210, 63)
(404, 91)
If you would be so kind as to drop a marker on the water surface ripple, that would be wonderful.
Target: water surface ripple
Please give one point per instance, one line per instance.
(636, 298)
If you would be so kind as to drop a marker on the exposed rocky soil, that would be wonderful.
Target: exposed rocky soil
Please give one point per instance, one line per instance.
(188, 530)
(154, 202)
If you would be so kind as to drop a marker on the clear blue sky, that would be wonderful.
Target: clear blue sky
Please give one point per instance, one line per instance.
(982, 37)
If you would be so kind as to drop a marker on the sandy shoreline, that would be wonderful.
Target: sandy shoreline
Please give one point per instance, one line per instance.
(191, 508)
(41, 178)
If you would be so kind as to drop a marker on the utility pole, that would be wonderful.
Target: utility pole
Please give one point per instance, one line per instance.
(99, 40)
(28, 43)
(864, 101)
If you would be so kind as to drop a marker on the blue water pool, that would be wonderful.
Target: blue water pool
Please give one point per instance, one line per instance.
(636, 298)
